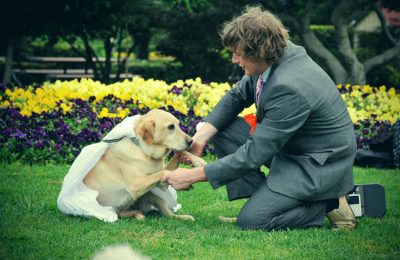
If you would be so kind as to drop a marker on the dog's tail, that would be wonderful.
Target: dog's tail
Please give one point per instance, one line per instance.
(227, 220)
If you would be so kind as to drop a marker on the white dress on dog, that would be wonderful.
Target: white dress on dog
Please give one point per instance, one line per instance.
(77, 199)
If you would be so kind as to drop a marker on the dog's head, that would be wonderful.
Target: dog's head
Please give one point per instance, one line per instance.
(158, 127)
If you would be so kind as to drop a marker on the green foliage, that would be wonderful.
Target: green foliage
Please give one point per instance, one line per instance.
(193, 5)
(185, 29)
(388, 75)
(371, 44)
(192, 37)
(33, 228)
(45, 45)
(169, 71)
(191, 41)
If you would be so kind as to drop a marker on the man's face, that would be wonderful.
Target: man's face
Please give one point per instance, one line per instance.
(251, 68)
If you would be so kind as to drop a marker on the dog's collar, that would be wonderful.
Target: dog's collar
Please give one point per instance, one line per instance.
(133, 139)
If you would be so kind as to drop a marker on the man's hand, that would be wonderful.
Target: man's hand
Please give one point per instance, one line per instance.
(200, 139)
(182, 179)
(196, 149)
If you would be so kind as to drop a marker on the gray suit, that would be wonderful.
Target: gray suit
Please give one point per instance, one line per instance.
(304, 135)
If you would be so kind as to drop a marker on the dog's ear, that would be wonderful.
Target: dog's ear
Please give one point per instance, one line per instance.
(145, 129)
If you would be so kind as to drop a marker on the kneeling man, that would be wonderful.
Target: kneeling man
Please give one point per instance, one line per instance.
(304, 134)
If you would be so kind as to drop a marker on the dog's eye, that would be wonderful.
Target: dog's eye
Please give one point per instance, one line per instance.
(171, 127)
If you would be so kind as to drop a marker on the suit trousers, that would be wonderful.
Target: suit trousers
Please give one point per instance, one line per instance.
(265, 209)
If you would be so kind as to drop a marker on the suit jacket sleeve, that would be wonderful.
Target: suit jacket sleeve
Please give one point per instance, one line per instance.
(235, 100)
(284, 112)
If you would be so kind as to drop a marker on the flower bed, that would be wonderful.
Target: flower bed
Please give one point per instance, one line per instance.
(53, 122)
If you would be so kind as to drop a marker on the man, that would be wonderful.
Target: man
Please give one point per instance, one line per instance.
(303, 134)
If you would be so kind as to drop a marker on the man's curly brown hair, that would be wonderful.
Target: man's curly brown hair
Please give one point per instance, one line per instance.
(259, 33)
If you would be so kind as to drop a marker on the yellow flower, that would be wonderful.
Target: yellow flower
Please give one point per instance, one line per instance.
(250, 110)
(356, 94)
(103, 113)
(363, 102)
(122, 113)
(5, 104)
(387, 117)
(394, 104)
(392, 92)
(353, 114)
(350, 104)
(65, 107)
(367, 89)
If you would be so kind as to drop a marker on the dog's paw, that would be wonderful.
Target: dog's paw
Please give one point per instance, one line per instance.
(227, 220)
(140, 217)
(198, 162)
(185, 217)
(195, 160)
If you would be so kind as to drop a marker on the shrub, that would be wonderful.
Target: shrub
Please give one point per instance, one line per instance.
(54, 121)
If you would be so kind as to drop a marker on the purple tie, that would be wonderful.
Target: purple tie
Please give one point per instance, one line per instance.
(260, 84)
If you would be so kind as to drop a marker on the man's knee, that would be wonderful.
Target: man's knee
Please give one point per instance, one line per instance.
(250, 220)
(237, 132)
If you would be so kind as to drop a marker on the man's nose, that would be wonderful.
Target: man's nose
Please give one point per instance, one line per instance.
(235, 59)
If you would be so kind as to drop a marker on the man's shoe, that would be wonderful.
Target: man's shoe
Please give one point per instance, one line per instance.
(343, 217)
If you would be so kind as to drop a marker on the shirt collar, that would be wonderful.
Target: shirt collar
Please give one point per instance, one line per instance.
(266, 74)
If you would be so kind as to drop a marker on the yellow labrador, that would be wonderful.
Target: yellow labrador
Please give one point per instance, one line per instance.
(128, 170)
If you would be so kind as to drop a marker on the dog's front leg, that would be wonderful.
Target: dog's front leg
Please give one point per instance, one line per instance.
(160, 204)
(194, 159)
(141, 185)
(173, 163)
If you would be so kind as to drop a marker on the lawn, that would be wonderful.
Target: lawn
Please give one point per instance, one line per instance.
(31, 227)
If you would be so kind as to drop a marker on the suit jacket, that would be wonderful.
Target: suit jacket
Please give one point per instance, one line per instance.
(304, 133)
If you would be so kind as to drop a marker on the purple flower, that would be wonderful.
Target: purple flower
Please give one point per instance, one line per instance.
(18, 135)
(134, 111)
(15, 114)
(367, 123)
(40, 144)
(106, 126)
(7, 133)
(58, 147)
(89, 136)
(175, 90)
(92, 99)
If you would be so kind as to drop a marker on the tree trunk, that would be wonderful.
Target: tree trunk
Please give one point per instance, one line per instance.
(9, 62)
(356, 72)
(382, 58)
(142, 40)
(89, 55)
(142, 51)
(315, 46)
(336, 69)
(107, 64)
(347, 69)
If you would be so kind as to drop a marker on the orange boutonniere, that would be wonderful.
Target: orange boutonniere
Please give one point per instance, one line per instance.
(251, 119)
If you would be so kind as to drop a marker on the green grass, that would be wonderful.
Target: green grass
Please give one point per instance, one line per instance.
(31, 227)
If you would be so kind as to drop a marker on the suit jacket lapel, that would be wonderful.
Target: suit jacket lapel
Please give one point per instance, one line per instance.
(259, 111)
(289, 51)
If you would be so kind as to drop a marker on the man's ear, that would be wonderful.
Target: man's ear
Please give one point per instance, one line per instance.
(145, 129)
